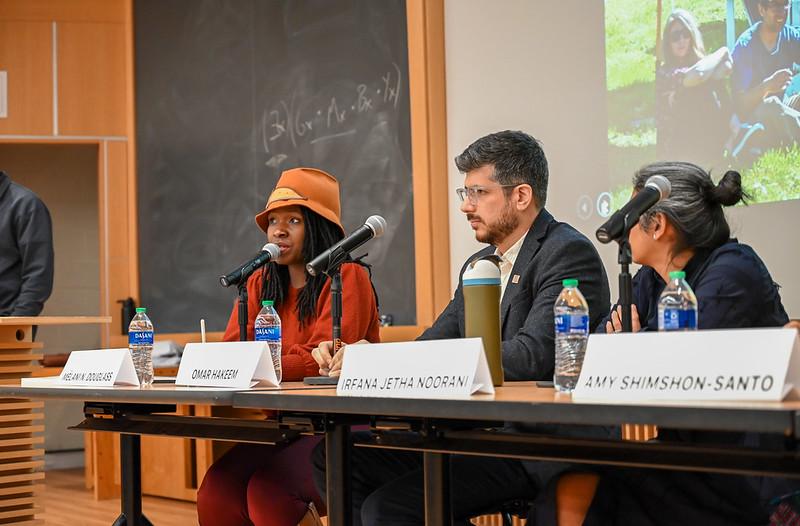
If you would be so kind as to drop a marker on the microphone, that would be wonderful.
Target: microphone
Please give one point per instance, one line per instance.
(269, 252)
(374, 226)
(655, 189)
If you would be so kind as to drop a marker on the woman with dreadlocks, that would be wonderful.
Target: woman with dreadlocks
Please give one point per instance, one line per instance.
(264, 485)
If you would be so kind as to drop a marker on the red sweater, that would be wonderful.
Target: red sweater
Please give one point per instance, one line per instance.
(359, 320)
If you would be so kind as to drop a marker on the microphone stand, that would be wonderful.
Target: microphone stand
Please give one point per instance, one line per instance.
(624, 258)
(242, 316)
(333, 271)
(336, 306)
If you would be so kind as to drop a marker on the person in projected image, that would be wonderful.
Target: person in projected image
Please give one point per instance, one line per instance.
(764, 80)
(693, 108)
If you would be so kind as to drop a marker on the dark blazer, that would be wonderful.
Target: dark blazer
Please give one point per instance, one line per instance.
(552, 251)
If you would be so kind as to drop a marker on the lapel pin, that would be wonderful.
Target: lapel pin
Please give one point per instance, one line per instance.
(515, 278)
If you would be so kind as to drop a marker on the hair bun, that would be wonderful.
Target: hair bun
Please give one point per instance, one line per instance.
(729, 190)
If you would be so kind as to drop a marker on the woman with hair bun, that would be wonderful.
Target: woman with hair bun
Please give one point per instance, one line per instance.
(687, 231)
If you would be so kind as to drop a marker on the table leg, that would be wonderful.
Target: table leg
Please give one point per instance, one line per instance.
(437, 489)
(337, 475)
(131, 479)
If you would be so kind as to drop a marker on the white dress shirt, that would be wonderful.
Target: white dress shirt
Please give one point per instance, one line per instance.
(507, 262)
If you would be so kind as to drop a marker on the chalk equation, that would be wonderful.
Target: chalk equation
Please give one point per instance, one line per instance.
(287, 124)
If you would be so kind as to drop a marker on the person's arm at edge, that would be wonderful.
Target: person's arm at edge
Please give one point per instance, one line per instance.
(35, 240)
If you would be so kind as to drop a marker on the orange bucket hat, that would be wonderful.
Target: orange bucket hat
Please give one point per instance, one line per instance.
(308, 187)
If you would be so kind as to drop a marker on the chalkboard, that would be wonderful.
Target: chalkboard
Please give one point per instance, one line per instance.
(231, 93)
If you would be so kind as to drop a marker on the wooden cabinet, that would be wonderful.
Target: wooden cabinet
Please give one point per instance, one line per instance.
(67, 67)
(26, 56)
(91, 74)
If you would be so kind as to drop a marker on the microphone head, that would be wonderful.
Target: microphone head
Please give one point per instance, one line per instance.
(661, 184)
(377, 224)
(273, 250)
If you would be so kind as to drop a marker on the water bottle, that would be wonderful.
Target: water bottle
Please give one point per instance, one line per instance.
(481, 286)
(140, 344)
(268, 329)
(677, 306)
(572, 333)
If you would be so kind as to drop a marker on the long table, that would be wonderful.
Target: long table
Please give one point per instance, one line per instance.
(437, 428)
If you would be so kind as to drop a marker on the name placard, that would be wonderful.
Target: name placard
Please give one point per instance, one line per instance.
(734, 364)
(100, 368)
(425, 369)
(226, 364)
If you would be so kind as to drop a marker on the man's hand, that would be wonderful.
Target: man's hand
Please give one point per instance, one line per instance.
(793, 324)
(777, 82)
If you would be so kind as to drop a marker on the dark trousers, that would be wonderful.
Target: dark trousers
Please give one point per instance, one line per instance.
(388, 485)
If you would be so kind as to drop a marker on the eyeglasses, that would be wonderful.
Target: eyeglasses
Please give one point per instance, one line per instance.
(474, 193)
(678, 34)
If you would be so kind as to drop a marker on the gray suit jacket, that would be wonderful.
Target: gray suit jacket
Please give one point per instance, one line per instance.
(552, 251)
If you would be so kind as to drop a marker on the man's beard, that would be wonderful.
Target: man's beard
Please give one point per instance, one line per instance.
(500, 229)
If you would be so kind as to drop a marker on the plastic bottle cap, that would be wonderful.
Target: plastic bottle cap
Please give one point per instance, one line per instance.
(569, 283)
(267, 303)
(141, 309)
(677, 274)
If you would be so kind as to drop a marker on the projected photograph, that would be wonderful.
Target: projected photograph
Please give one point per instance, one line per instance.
(713, 82)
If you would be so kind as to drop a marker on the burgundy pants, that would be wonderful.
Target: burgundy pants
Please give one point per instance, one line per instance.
(259, 485)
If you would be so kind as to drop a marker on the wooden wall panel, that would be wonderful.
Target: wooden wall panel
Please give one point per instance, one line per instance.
(63, 10)
(115, 221)
(426, 79)
(168, 465)
(26, 54)
(91, 79)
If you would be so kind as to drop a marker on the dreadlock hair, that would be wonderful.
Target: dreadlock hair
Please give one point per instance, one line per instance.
(320, 234)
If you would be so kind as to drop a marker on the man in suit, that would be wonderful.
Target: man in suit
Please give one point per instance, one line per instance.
(503, 198)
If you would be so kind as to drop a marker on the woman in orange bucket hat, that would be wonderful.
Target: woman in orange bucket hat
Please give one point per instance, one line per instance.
(265, 485)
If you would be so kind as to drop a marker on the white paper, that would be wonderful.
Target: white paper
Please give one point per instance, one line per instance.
(421, 369)
(102, 368)
(735, 364)
(227, 364)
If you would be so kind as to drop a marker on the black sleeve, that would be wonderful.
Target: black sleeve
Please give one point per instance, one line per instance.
(446, 324)
(34, 233)
(640, 299)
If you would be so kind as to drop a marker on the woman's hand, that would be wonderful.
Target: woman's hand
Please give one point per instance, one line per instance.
(335, 368)
(323, 354)
(615, 325)
(793, 324)
(330, 364)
